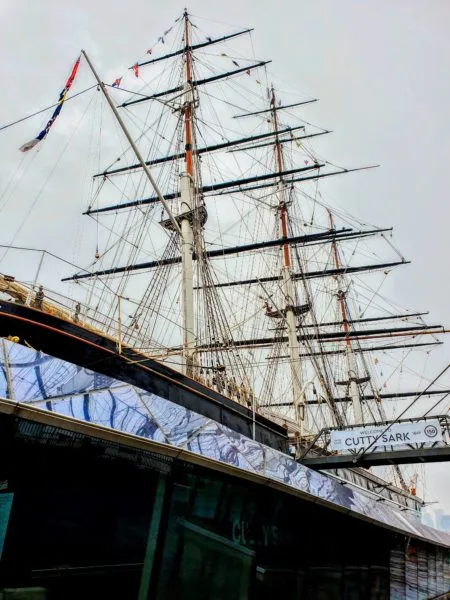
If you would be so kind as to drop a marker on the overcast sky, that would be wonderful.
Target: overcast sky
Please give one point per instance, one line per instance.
(379, 67)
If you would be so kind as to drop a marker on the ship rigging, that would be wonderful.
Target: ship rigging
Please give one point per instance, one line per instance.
(216, 254)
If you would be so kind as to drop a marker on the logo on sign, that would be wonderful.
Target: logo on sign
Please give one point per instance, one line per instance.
(431, 431)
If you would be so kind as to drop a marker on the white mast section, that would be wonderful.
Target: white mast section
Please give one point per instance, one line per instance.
(187, 248)
(186, 218)
(354, 387)
(294, 350)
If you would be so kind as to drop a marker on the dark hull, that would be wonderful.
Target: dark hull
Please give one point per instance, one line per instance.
(86, 503)
(70, 342)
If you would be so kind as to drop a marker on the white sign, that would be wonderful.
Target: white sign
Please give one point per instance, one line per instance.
(397, 434)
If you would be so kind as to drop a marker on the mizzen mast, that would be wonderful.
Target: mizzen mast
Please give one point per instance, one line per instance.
(353, 380)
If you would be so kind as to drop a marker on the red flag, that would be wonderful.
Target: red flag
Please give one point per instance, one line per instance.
(135, 68)
(72, 75)
(117, 82)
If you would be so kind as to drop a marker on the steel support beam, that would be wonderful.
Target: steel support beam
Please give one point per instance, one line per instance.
(377, 459)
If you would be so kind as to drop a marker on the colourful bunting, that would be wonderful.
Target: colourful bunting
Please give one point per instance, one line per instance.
(161, 40)
(135, 67)
(62, 97)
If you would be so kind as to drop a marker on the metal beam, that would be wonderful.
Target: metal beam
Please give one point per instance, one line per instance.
(377, 459)
(273, 108)
(314, 238)
(313, 275)
(197, 151)
(193, 47)
(282, 141)
(179, 88)
(393, 396)
(365, 349)
(331, 336)
(206, 188)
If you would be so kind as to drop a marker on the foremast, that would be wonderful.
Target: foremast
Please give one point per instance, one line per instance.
(186, 215)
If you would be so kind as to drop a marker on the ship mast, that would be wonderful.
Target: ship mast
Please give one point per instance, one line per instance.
(287, 279)
(352, 368)
(186, 215)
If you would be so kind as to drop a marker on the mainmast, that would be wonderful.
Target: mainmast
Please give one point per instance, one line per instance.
(186, 214)
(287, 278)
(352, 368)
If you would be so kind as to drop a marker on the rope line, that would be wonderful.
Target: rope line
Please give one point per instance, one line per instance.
(45, 109)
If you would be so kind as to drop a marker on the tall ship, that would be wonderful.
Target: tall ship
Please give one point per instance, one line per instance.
(221, 286)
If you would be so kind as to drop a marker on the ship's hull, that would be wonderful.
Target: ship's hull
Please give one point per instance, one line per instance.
(205, 500)
(86, 348)
(93, 513)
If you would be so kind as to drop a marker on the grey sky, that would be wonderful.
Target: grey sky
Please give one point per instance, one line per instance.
(379, 67)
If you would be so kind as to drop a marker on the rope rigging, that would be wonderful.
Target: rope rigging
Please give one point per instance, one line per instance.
(144, 308)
